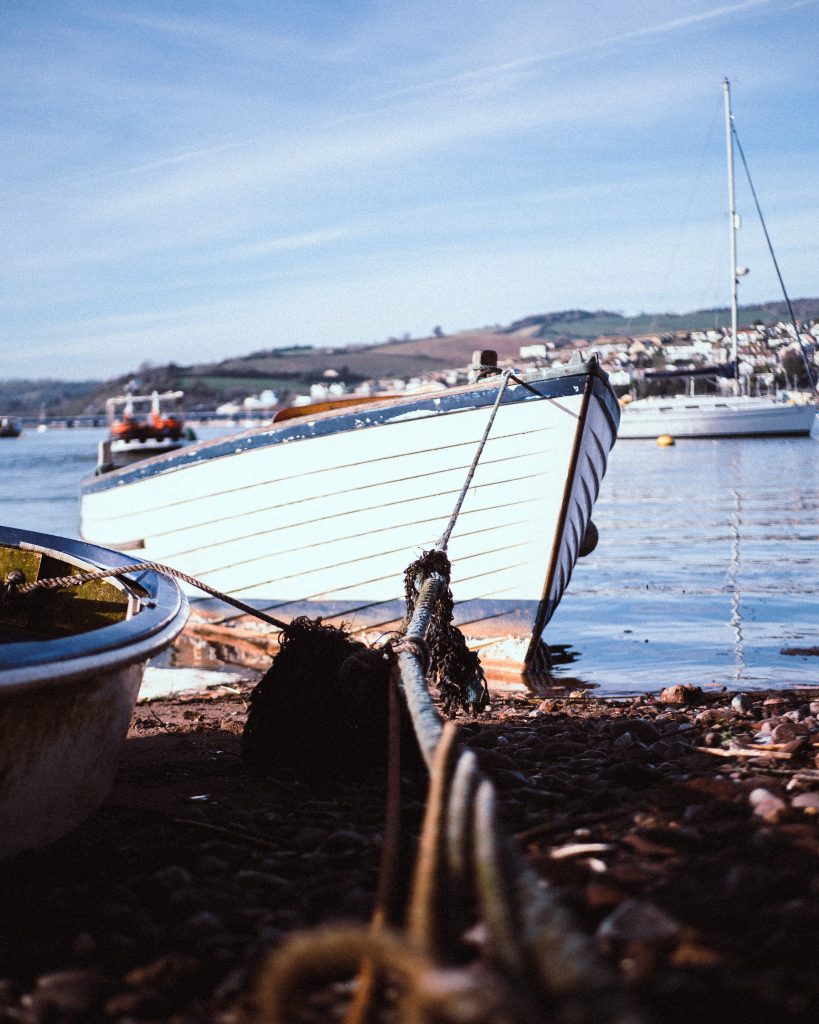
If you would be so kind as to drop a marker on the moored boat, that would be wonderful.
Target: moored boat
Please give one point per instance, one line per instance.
(9, 427)
(731, 414)
(71, 662)
(708, 416)
(141, 426)
(321, 514)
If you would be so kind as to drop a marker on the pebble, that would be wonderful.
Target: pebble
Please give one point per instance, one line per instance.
(133, 1004)
(164, 973)
(767, 805)
(682, 694)
(69, 994)
(261, 881)
(639, 728)
(712, 716)
(173, 877)
(742, 703)
(783, 733)
(807, 802)
(636, 920)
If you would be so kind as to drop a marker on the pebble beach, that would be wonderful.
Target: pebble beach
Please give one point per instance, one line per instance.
(678, 829)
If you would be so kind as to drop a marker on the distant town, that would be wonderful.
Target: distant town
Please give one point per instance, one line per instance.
(769, 357)
(645, 354)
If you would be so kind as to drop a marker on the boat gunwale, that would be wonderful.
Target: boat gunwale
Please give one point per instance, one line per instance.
(563, 381)
(40, 664)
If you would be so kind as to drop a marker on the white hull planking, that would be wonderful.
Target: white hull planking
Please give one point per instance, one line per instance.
(328, 524)
(714, 417)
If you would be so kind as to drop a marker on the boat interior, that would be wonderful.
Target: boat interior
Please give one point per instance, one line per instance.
(48, 614)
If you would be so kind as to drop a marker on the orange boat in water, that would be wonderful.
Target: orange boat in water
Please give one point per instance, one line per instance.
(141, 426)
(140, 417)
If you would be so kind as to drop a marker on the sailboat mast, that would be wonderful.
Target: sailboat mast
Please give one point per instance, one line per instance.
(732, 221)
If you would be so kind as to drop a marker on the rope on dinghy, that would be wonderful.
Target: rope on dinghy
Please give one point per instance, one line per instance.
(77, 579)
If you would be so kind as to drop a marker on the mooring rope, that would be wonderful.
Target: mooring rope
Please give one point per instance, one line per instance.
(467, 869)
(465, 855)
(443, 540)
(77, 579)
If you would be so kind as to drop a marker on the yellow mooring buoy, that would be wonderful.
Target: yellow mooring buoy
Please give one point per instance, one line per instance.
(665, 440)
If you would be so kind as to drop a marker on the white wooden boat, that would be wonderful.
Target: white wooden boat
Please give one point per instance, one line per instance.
(71, 662)
(734, 415)
(321, 515)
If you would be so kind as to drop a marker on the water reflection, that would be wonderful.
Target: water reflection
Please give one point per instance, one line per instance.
(734, 570)
(707, 567)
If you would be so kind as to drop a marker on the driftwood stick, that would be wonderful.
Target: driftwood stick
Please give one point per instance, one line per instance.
(743, 752)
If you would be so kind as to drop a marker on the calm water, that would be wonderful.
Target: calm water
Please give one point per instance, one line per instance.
(707, 566)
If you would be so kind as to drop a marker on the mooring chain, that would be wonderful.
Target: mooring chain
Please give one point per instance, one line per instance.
(14, 586)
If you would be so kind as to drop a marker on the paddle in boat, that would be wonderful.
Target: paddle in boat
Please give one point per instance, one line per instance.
(71, 663)
(321, 514)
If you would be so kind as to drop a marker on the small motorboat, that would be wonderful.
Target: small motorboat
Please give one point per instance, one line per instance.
(71, 663)
(9, 427)
(141, 426)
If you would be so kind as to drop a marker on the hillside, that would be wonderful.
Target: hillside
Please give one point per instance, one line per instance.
(580, 324)
(295, 368)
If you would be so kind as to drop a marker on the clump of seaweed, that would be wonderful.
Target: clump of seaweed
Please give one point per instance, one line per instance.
(323, 701)
(452, 666)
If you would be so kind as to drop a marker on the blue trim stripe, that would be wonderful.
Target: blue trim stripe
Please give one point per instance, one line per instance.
(440, 403)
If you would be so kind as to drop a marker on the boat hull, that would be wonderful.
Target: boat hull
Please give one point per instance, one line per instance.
(322, 516)
(718, 417)
(66, 700)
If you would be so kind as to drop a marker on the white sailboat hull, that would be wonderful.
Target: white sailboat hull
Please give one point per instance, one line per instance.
(322, 516)
(714, 416)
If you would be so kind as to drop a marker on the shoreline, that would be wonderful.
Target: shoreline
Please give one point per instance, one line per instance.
(686, 849)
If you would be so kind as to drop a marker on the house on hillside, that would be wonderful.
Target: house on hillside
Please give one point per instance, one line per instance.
(538, 351)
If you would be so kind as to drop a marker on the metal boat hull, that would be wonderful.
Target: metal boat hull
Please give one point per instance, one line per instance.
(707, 416)
(66, 701)
(322, 516)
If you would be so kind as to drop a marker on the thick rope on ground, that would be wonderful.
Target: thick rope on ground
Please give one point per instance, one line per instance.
(425, 994)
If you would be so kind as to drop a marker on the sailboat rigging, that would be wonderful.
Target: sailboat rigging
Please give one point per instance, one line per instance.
(736, 415)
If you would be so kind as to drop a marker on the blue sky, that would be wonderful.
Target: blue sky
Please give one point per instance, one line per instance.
(192, 180)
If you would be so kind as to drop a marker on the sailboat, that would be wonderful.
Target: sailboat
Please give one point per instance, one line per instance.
(718, 415)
